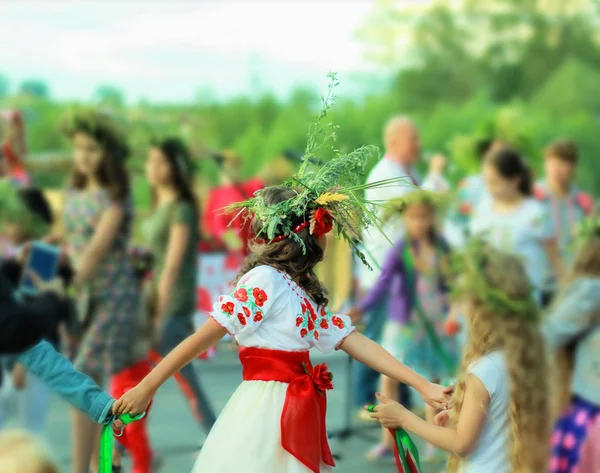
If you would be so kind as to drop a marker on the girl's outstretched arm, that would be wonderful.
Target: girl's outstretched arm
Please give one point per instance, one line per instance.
(373, 355)
(459, 439)
(136, 400)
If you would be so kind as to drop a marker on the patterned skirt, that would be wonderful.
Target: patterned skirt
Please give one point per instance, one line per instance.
(570, 433)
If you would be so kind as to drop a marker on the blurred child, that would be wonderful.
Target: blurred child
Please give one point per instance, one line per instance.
(511, 220)
(574, 323)
(412, 273)
(27, 216)
(562, 200)
(500, 419)
(21, 452)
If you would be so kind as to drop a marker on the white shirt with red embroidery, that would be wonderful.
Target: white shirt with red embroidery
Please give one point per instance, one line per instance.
(269, 310)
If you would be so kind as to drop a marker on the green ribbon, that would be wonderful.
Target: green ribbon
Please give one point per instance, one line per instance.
(407, 453)
(107, 441)
(427, 325)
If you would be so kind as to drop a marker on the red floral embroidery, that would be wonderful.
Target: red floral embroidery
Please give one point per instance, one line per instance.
(228, 307)
(316, 334)
(303, 332)
(299, 321)
(311, 325)
(323, 312)
(260, 296)
(324, 324)
(241, 295)
(339, 323)
(258, 317)
(309, 306)
(246, 311)
(242, 319)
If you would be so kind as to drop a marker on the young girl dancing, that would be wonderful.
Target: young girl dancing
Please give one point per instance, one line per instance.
(574, 322)
(275, 421)
(413, 268)
(500, 418)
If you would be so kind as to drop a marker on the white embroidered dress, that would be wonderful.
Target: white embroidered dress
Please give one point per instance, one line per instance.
(266, 310)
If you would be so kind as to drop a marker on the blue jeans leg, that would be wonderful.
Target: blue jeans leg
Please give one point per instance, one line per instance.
(366, 380)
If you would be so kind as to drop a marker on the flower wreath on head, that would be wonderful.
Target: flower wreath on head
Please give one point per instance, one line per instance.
(435, 200)
(468, 268)
(326, 197)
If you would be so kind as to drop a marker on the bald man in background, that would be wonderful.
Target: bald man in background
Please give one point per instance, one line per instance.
(402, 152)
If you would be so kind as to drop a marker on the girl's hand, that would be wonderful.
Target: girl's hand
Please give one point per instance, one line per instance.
(134, 401)
(441, 420)
(389, 413)
(436, 396)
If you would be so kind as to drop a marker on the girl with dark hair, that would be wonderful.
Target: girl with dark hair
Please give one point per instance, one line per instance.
(98, 217)
(511, 219)
(275, 421)
(172, 234)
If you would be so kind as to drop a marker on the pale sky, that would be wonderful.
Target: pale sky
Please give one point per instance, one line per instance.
(169, 50)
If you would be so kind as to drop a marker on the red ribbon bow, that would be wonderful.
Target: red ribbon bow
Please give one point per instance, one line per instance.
(303, 432)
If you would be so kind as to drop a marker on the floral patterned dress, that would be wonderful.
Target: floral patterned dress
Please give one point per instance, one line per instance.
(266, 310)
(108, 302)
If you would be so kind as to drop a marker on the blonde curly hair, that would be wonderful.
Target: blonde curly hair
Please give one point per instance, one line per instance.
(518, 336)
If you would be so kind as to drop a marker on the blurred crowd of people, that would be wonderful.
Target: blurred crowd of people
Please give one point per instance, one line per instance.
(126, 310)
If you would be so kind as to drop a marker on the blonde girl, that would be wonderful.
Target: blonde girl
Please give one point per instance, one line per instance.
(500, 418)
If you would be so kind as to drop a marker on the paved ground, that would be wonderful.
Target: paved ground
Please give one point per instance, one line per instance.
(177, 437)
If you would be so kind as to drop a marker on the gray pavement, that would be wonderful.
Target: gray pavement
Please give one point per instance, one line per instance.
(177, 437)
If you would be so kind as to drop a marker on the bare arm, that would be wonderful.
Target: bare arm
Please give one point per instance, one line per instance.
(460, 439)
(179, 238)
(373, 355)
(101, 242)
(137, 399)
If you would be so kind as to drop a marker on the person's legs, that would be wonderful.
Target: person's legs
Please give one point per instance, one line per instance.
(366, 379)
(175, 330)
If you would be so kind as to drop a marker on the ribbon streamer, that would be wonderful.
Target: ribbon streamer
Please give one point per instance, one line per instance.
(107, 441)
(405, 450)
(448, 362)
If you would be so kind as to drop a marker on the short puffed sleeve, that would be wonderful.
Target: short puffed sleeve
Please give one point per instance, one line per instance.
(332, 329)
(242, 311)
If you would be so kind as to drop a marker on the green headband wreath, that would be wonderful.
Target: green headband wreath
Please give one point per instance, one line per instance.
(435, 200)
(468, 267)
(327, 196)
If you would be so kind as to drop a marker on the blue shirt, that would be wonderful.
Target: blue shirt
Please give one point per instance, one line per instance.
(62, 378)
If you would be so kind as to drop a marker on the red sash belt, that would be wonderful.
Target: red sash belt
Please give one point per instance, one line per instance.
(303, 432)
